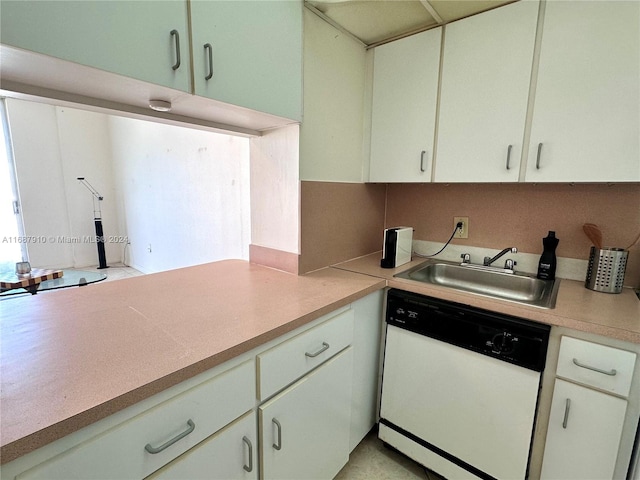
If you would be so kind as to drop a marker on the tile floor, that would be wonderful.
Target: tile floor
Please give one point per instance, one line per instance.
(114, 272)
(371, 460)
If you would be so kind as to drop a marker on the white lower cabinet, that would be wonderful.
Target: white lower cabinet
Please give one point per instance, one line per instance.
(367, 337)
(304, 430)
(584, 433)
(290, 360)
(298, 425)
(139, 446)
(230, 454)
(588, 412)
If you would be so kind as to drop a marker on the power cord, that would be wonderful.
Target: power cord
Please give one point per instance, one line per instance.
(459, 226)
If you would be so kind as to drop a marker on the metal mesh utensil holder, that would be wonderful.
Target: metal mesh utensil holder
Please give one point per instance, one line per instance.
(605, 272)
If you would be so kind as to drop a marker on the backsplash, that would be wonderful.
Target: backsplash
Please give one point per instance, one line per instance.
(342, 221)
(520, 215)
(339, 221)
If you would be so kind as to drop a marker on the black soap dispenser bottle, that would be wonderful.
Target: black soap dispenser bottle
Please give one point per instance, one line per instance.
(547, 263)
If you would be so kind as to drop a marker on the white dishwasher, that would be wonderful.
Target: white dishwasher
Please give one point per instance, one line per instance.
(460, 387)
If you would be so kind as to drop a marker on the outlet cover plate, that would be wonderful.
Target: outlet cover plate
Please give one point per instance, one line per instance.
(464, 233)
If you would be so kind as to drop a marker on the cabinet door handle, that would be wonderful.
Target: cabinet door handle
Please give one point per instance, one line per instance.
(249, 467)
(424, 152)
(611, 372)
(567, 407)
(324, 347)
(278, 444)
(190, 427)
(208, 48)
(509, 156)
(538, 156)
(176, 35)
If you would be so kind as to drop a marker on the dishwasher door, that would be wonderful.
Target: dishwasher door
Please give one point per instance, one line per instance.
(471, 409)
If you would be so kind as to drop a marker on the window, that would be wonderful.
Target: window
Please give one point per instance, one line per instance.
(12, 246)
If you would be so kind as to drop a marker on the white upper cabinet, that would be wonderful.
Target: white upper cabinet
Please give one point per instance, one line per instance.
(252, 58)
(405, 90)
(486, 72)
(586, 117)
(249, 53)
(130, 38)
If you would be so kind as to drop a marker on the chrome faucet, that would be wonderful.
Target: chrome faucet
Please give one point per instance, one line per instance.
(488, 260)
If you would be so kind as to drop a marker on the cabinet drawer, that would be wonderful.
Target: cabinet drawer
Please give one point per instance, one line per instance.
(285, 363)
(121, 452)
(607, 368)
(230, 454)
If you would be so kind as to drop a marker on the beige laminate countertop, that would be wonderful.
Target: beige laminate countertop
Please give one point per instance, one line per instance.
(611, 315)
(71, 357)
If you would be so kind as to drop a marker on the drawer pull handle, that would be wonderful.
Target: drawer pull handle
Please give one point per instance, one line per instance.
(324, 347)
(567, 406)
(154, 450)
(422, 154)
(249, 467)
(176, 35)
(278, 445)
(611, 372)
(509, 157)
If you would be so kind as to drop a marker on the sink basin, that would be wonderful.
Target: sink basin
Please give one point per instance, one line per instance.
(518, 287)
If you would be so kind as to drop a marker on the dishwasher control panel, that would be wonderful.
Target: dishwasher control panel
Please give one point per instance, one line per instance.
(512, 339)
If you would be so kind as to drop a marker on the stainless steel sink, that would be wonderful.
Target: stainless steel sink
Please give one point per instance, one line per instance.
(490, 282)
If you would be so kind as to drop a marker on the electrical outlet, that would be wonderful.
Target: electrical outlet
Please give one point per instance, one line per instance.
(464, 232)
(149, 248)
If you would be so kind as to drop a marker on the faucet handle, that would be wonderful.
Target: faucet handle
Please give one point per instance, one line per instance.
(509, 264)
(466, 258)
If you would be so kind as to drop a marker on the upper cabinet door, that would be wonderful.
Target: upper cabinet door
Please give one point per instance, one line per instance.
(131, 38)
(249, 53)
(586, 119)
(486, 72)
(405, 89)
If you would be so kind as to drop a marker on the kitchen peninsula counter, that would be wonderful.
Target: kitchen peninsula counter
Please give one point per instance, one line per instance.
(578, 308)
(72, 357)
(75, 356)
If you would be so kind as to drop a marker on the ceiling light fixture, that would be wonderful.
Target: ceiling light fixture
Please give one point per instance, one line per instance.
(160, 105)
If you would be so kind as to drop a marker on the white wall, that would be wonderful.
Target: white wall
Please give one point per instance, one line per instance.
(183, 192)
(275, 190)
(86, 152)
(52, 147)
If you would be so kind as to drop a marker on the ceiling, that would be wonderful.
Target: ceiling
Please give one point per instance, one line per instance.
(377, 21)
